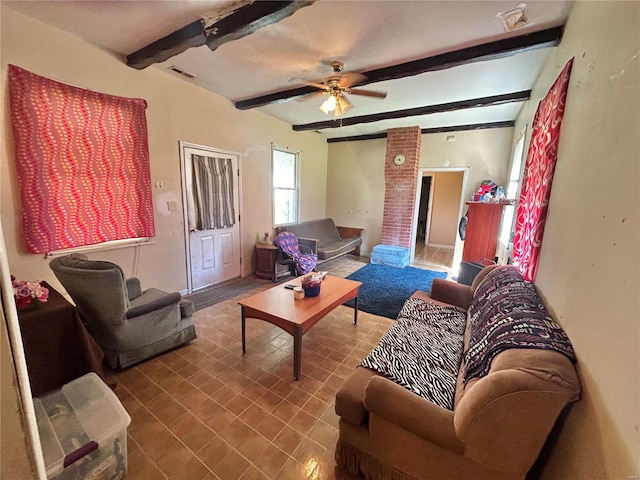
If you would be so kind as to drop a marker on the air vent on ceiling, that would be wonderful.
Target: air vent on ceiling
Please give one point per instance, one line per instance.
(514, 19)
(180, 71)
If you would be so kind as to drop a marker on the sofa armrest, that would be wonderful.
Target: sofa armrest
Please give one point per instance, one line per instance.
(452, 293)
(134, 290)
(410, 412)
(349, 399)
(504, 418)
(311, 243)
(157, 304)
(349, 232)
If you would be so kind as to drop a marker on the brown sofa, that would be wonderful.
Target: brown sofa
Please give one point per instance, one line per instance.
(498, 422)
(325, 239)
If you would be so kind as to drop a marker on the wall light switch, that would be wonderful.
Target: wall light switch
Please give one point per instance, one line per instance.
(172, 206)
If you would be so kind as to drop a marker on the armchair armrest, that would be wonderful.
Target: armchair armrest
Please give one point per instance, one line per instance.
(310, 243)
(134, 290)
(410, 412)
(451, 292)
(157, 304)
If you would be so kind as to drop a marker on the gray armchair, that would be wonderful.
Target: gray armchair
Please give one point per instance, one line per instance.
(129, 324)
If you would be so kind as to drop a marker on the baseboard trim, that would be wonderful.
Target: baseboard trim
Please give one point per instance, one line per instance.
(437, 245)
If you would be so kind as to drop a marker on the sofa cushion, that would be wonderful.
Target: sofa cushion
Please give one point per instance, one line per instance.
(507, 312)
(338, 247)
(422, 351)
(329, 242)
(324, 230)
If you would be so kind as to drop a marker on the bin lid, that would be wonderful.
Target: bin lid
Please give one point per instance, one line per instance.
(82, 411)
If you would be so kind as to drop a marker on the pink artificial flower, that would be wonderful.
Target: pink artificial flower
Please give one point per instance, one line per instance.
(25, 292)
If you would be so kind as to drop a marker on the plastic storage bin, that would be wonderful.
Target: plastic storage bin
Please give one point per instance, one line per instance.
(83, 431)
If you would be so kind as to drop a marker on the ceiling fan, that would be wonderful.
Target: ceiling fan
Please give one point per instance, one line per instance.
(336, 86)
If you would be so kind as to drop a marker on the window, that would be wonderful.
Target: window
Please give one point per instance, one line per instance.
(285, 186)
(512, 191)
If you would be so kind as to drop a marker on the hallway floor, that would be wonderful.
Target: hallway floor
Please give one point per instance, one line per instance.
(433, 258)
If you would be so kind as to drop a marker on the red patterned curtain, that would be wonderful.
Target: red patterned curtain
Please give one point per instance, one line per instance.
(83, 164)
(538, 176)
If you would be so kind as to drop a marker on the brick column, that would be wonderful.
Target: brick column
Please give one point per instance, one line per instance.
(400, 185)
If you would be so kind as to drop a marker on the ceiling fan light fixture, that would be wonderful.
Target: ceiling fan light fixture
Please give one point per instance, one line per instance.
(342, 106)
(329, 105)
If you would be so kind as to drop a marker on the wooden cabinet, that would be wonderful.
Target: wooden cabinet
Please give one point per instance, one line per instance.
(57, 346)
(483, 228)
(266, 265)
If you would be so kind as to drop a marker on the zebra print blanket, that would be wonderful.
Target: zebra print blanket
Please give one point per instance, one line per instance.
(422, 351)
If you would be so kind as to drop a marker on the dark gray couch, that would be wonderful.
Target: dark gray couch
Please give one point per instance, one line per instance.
(329, 241)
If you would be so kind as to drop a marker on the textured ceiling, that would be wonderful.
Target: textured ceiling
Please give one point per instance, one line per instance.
(364, 35)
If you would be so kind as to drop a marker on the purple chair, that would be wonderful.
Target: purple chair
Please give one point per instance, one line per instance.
(289, 254)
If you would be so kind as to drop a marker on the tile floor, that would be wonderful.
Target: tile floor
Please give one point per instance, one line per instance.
(205, 411)
(433, 258)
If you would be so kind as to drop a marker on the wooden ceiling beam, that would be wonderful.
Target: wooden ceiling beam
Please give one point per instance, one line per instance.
(244, 21)
(488, 51)
(250, 18)
(191, 35)
(454, 128)
(417, 111)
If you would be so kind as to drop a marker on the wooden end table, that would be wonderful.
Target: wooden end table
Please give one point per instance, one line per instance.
(278, 307)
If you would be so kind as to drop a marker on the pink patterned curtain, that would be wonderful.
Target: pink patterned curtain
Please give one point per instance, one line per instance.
(83, 164)
(538, 176)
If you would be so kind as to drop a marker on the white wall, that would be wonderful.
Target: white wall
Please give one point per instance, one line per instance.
(589, 270)
(176, 111)
(355, 178)
(355, 187)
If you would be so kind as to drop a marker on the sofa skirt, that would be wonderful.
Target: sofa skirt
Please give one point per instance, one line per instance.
(357, 462)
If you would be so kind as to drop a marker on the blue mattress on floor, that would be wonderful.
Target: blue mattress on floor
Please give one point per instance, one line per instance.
(390, 255)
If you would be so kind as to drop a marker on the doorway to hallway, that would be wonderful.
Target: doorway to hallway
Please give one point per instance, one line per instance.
(439, 205)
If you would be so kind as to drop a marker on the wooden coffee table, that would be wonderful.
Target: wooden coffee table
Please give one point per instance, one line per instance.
(278, 307)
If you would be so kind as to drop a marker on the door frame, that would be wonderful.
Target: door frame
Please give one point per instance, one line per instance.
(423, 172)
(427, 227)
(185, 214)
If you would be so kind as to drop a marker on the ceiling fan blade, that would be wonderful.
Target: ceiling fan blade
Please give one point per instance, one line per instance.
(305, 82)
(350, 78)
(309, 96)
(367, 93)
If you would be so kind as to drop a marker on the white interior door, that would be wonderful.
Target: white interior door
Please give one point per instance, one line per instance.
(213, 248)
